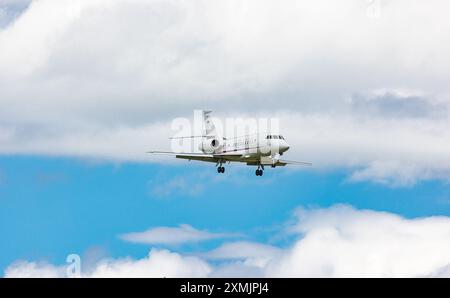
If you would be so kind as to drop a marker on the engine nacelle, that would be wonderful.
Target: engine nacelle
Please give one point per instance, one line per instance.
(211, 145)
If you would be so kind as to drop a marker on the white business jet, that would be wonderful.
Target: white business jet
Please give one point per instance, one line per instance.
(254, 150)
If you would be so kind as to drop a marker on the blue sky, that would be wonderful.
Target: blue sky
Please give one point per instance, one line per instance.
(51, 207)
(360, 89)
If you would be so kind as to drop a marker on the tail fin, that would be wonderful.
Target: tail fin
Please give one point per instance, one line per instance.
(209, 127)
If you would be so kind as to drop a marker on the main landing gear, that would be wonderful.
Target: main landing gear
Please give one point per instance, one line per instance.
(259, 171)
(220, 168)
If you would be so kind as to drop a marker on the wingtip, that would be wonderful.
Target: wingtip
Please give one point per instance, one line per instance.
(152, 152)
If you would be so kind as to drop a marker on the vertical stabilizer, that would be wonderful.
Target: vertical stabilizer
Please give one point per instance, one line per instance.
(209, 127)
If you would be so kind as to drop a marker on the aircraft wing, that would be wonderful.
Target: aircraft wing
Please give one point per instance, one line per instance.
(227, 157)
(292, 162)
(200, 156)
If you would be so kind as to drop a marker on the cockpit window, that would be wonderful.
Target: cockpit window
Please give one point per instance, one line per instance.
(270, 137)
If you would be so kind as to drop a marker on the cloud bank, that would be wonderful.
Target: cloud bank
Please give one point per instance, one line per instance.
(335, 242)
(356, 86)
(170, 236)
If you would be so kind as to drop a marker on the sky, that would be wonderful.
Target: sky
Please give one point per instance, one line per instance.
(359, 87)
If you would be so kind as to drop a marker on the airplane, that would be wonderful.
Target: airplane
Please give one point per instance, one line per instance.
(254, 150)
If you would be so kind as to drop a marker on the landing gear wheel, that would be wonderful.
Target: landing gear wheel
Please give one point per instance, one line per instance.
(223, 170)
(220, 170)
(259, 172)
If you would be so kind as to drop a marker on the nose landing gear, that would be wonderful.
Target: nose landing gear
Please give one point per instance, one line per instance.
(259, 171)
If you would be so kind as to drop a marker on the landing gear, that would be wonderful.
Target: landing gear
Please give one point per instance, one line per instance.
(220, 168)
(259, 171)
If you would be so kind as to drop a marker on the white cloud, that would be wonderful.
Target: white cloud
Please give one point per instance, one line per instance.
(177, 185)
(169, 235)
(102, 79)
(341, 241)
(159, 263)
(242, 250)
(31, 269)
(392, 173)
(199, 180)
(397, 152)
(335, 242)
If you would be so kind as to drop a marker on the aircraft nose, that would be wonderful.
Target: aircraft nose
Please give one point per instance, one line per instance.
(284, 146)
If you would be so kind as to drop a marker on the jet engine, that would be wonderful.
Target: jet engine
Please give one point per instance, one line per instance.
(211, 145)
